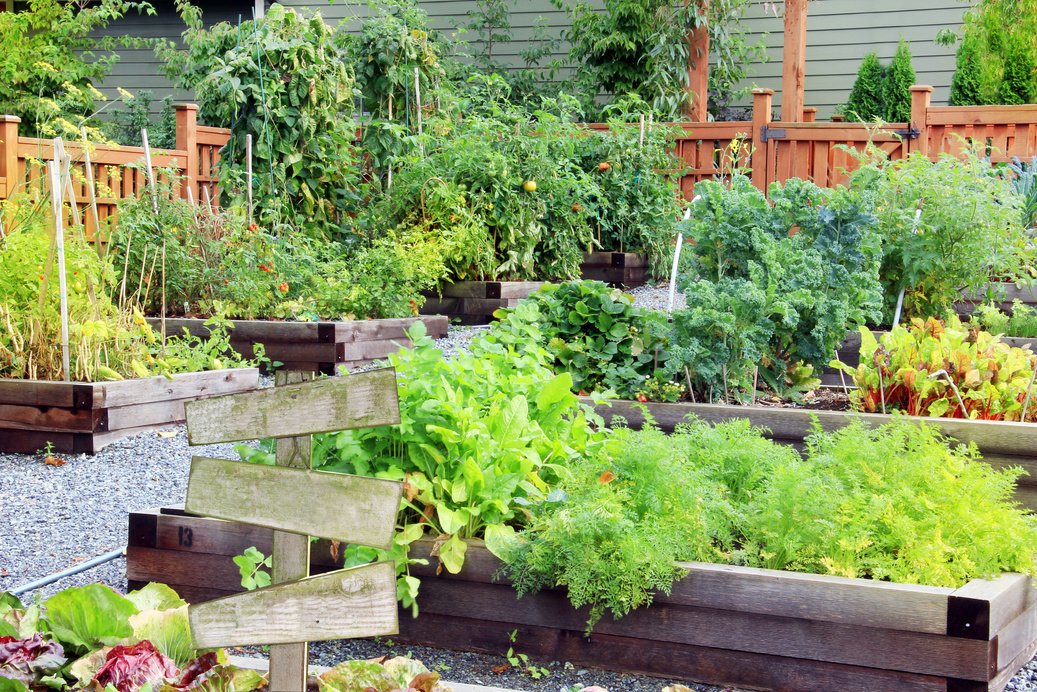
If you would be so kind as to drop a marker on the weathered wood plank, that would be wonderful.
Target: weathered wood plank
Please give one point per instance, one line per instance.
(48, 393)
(627, 260)
(996, 437)
(357, 602)
(52, 418)
(291, 554)
(981, 608)
(354, 509)
(30, 441)
(896, 650)
(864, 602)
(189, 385)
(155, 528)
(661, 659)
(1016, 637)
(363, 400)
(156, 413)
(396, 328)
(286, 351)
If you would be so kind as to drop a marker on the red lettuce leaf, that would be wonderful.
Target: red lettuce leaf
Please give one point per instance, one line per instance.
(28, 659)
(128, 668)
(198, 666)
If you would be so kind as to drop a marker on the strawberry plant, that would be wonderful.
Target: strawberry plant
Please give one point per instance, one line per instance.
(594, 333)
(941, 369)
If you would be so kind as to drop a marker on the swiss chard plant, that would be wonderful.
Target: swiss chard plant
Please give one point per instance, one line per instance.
(943, 370)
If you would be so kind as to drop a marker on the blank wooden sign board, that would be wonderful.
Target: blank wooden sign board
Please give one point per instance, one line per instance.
(297, 502)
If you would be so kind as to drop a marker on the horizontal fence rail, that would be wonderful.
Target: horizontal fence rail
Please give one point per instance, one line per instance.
(774, 151)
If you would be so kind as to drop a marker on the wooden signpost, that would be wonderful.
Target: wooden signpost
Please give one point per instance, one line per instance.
(297, 502)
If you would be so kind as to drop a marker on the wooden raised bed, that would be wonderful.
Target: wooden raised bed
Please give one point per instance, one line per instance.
(320, 347)
(721, 625)
(1005, 293)
(622, 269)
(195, 555)
(474, 302)
(1002, 444)
(77, 417)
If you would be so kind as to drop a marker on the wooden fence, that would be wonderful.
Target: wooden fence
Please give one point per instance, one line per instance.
(118, 172)
(774, 150)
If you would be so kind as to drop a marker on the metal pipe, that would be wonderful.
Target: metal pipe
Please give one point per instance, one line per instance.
(81, 567)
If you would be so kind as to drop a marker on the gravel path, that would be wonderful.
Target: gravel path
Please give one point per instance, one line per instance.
(52, 517)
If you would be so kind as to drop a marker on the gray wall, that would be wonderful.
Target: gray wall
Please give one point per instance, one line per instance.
(839, 33)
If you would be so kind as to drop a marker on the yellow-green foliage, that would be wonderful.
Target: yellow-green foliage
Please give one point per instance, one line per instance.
(895, 503)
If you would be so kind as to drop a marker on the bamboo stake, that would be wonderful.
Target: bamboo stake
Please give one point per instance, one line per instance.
(208, 199)
(92, 190)
(163, 322)
(641, 136)
(56, 196)
(417, 100)
(1029, 390)
(248, 174)
(691, 390)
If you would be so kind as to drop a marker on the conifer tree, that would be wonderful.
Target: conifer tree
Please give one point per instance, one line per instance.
(896, 87)
(965, 84)
(865, 103)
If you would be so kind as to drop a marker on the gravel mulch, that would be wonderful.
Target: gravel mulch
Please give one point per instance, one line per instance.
(53, 517)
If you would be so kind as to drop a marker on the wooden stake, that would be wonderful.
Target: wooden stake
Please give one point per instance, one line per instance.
(291, 559)
(417, 101)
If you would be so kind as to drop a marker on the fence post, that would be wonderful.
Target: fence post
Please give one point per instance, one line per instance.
(762, 160)
(9, 153)
(187, 141)
(698, 70)
(810, 114)
(921, 96)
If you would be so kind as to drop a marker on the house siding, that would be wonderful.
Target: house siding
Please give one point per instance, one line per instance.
(839, 33)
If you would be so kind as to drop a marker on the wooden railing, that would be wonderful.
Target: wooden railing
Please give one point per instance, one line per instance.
(118, 172)
(774, 150)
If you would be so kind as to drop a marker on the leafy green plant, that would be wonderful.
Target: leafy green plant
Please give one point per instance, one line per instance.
(479, 433)
(641, 47)
(49, 64)
(251, 565)
(896, 86)
(941, 369)
(282, 79)
(521, 661)
(968, 231)
(771, 283)
(498, 192)
(91, 636)
(897, 502)
(591, 332)
(126, 125)
(865, 103)
(1021, 322)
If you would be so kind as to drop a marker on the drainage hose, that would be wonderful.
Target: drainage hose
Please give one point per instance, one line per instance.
(81, 567)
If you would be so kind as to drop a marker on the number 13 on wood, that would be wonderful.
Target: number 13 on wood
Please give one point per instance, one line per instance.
(297, 502)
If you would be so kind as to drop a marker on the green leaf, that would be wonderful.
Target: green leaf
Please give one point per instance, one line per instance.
(169, 631)
(155, 596)
(556, 389)
(410, 533)
(452, 554)
(89, 617)
(499, 538)
(449, 521)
